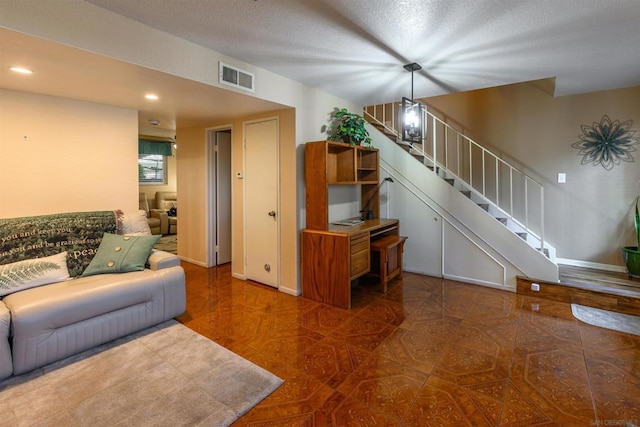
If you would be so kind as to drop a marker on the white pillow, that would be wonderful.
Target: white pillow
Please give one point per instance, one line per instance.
(168, 204)
(135, 224)
(33, 272)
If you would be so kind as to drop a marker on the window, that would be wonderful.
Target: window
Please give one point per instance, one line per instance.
(152, 169)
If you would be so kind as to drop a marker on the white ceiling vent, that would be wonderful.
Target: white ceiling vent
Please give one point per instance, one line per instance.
(232, 76)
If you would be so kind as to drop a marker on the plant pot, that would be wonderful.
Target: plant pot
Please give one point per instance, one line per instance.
(631, 256)
(347, 140)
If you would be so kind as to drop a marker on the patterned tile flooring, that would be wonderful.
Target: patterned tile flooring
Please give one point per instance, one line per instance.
(429, 352)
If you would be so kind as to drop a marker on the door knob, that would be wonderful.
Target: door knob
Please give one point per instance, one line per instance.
(272, 213)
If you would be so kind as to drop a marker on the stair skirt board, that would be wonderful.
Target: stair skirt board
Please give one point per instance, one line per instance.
(467, 280)
(500, 286)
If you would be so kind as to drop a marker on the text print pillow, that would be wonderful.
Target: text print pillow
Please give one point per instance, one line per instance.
(33, 272)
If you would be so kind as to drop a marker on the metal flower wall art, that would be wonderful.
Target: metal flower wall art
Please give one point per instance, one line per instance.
(607, 143)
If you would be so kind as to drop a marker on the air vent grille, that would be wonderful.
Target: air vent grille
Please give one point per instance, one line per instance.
(236, 77)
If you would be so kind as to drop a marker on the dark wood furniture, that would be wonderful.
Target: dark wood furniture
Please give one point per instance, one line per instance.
(387, 254)
(332, 259)
(334, 163)
(334, 255)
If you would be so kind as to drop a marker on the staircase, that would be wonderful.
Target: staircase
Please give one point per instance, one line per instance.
(509, 195)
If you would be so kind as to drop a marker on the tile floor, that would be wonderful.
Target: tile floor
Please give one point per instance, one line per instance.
(430, 352)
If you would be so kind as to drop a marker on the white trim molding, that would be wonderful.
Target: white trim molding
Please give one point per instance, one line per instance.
(594, 265)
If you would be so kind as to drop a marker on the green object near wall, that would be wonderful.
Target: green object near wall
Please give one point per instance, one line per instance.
(631, 254)
(632, 260)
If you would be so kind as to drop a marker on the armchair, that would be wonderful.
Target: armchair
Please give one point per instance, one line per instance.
(166, 200)
(156, 222)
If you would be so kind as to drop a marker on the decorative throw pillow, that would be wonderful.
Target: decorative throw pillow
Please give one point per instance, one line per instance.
(33, 272)
(168, 204)
(135, 224)
(121, 254)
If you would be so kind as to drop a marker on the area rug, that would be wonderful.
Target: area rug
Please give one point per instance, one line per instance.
(168, 243)
(167, 375)
(607, 319)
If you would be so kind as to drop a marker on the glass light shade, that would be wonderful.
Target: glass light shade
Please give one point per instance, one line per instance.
(412, 124)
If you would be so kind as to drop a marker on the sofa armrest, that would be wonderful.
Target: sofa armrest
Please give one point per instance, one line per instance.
(160, 259)
(163, 217)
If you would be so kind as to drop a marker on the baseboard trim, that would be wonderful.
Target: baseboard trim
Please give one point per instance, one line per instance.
(193, 261)
(238, 276)
(480, 282)
(594, 265)
(293, 292)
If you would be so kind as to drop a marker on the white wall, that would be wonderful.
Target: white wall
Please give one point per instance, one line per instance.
(61, 155)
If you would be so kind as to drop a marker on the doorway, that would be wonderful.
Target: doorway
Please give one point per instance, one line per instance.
(261, 201)
(219, 195)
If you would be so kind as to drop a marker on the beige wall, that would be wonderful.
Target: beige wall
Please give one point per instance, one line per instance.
(589, 218)
(61, 155)
(192, 190)
(191, 165)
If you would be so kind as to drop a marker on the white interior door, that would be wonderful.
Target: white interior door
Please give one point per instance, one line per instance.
(261, 202)
(219, 197)
(223, 197)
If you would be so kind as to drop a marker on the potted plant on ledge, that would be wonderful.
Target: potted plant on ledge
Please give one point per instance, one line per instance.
(631, 254)
(349, 127)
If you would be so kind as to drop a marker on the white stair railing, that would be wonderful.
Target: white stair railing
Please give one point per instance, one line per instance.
(451, 154)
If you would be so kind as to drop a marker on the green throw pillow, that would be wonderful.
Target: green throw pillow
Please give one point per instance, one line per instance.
(121, 254)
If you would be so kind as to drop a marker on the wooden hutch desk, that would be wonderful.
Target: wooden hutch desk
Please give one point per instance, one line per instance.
(332, 259)
(334, 255)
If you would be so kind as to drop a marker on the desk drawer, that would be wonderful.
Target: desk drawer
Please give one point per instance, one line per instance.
(359, 263)
(359, 243)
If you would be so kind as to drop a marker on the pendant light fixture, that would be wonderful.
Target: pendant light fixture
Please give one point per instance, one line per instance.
(412, 124)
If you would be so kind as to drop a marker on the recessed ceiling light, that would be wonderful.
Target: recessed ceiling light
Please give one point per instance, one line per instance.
(151, 96)
(21, 70)
(154, 122)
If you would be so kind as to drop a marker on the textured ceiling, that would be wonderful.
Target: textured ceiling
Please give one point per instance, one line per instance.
(355, 49)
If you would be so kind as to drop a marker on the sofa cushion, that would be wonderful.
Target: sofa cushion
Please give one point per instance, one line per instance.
(135, 223)
(33, 272)
(121, 254)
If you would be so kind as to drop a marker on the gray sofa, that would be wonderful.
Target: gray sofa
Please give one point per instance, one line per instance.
(47, 323)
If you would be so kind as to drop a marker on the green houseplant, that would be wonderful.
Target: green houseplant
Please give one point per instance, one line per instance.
(631, 254)
(348, 127)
